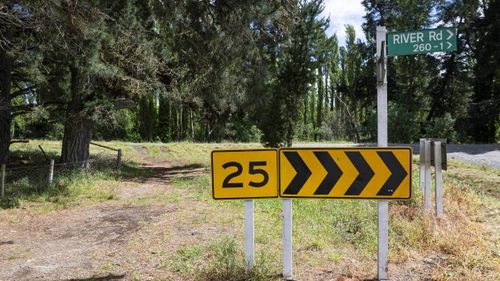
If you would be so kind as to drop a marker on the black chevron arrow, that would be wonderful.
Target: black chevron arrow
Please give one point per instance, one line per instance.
(364, 176)
(334, 172)
(398, 173)
(303, 173)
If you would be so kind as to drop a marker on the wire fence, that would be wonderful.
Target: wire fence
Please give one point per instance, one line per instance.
(24, 180)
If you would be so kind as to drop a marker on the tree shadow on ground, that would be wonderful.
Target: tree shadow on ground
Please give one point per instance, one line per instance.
(108, 277)
(143, 174)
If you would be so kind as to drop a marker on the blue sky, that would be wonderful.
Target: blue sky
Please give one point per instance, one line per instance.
(342, 12)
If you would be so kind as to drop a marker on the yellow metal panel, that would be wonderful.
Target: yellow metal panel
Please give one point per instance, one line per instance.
(356, 173)
(245, 174)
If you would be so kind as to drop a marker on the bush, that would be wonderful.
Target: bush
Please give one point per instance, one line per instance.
(242, 131)
(442, 127)
(403, 126)
(336, 127)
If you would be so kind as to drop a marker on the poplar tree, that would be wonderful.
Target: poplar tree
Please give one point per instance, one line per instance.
(295, 74)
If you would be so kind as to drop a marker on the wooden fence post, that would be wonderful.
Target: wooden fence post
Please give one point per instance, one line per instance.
(51, 172)
(3, 180)
(119, 160)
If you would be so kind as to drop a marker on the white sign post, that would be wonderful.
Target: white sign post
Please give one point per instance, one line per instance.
(249, 234)
(287, 239)
(422, 166)
(383, 205)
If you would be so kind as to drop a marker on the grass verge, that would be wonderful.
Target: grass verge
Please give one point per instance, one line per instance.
(331, 237)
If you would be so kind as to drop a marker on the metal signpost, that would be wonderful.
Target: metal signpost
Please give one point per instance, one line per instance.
(383, 205)
(287, 239)
(245, 174)
(427, 174)
(438, 179)
(443, 39)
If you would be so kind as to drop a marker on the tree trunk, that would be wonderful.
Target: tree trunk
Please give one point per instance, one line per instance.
(174, 122)
(326, 88)
(78, 126)
(77, 138)
(332, 96)
(319, 107)
(164, 119)
(147, 118)
(181, 123)
(191, 120)
(312, 110)
(5, 106)
(185, 122)
(305, 115)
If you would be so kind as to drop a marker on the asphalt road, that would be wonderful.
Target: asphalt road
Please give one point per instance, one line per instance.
(479, 154)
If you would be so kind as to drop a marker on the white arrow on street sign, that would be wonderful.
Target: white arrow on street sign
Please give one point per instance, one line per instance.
(450, 34)
(449, 45)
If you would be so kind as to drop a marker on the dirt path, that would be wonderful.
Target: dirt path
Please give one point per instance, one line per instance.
(90, 242)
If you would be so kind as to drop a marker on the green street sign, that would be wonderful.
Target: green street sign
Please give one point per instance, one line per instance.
(443, 39)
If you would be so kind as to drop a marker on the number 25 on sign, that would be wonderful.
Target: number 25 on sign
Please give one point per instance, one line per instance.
(244, 174)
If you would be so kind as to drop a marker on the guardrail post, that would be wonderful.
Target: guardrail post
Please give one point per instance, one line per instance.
(427, 174)
(51, 172)
(438, 179)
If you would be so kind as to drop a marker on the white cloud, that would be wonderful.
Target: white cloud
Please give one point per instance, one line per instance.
(342, 12)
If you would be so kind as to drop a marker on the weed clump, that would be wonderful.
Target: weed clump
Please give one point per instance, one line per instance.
(225, 262)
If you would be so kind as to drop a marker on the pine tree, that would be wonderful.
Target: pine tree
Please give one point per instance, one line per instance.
(17, 29)
(485, 109)
(99, 61)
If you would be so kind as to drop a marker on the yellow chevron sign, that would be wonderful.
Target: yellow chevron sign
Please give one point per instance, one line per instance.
(364, 173)
(244, 174)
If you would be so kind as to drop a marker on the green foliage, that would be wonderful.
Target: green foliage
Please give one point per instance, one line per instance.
(242, 131)
(294, 74)
(240, 71)
(485, 109)
(120, 125)
(183, 261)
(442, 127)
(402, 125)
